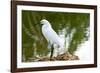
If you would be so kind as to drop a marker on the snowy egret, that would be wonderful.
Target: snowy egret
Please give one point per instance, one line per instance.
(51, 36)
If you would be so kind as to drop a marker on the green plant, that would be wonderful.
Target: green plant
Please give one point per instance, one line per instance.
(31, 30)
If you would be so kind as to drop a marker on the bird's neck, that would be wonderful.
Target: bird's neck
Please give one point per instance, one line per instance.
(47, 25)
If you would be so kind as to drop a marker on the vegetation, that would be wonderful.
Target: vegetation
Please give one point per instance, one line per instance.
(33, 42)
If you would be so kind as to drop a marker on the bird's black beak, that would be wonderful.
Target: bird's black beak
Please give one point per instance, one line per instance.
(41, 24)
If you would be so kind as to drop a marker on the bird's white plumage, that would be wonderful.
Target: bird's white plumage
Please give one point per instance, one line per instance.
(50, 35)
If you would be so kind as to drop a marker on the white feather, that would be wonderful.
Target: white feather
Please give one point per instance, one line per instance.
(50, 35)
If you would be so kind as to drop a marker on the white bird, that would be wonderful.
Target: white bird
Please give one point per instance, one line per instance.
(51, 36)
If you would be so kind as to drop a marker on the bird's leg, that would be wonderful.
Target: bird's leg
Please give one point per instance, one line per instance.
(49, 45)
(52, 50)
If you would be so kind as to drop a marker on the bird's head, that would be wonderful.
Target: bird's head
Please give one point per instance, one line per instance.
(45, 22)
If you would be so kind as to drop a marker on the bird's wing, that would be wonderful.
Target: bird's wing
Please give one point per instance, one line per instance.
(51, 35)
